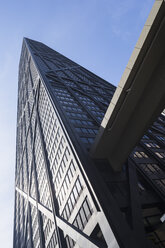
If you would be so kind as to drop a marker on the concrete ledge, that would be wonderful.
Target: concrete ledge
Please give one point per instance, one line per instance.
(139, 97)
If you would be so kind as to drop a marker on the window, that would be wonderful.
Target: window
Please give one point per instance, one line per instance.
(73, 198)
(151, 168)
(151, 144)
(86, 130)
(87, 140)
(83, 215)
(79, 222)
(67, 180)
(71, 84)
(162, 138)
(68, 108)
(160, 154)
(81, 122)
(139, 154)
(70, 242)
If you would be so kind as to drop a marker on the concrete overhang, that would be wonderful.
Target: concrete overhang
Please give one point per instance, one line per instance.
(139, 97)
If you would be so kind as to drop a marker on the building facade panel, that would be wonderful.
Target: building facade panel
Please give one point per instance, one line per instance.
(63, 197)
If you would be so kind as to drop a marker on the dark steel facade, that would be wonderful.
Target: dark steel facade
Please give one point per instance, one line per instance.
(63, 197)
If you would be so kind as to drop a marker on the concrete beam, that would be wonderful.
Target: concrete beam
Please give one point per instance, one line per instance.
(140, 95)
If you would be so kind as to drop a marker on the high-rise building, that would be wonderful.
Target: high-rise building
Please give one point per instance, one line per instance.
(63, 196)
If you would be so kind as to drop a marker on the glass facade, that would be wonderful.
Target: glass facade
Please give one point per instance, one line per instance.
(62, 195)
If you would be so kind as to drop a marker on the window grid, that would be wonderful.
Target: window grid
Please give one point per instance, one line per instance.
(65, 183)
(72, 199)
(84, 214)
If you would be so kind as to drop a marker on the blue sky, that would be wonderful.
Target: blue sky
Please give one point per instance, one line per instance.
(98, 34)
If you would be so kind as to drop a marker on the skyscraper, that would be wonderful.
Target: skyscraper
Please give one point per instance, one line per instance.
(63, 196)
